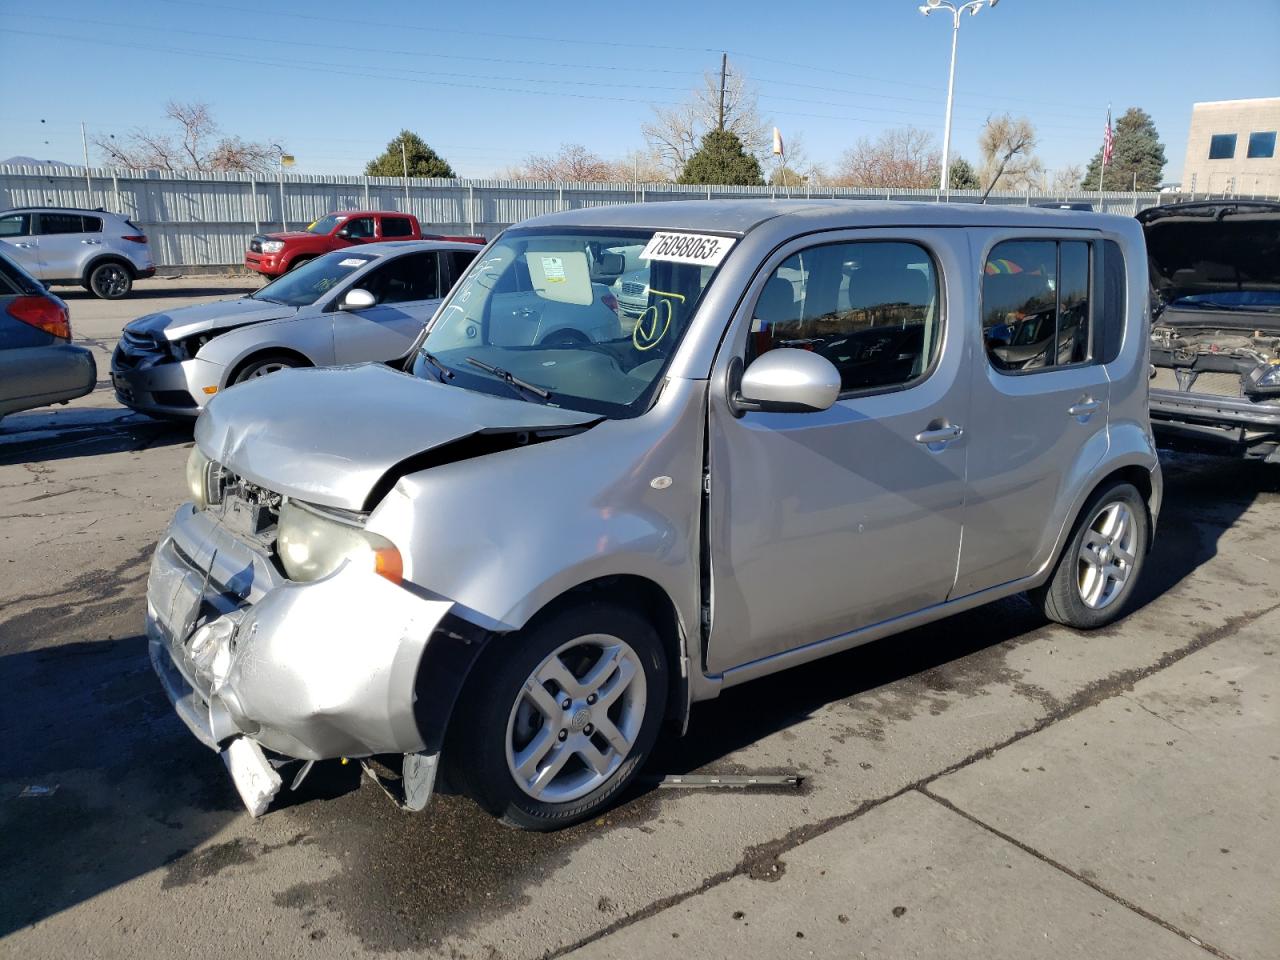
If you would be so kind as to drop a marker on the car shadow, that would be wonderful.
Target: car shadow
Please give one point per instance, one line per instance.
(45, 435)
(1204, 496)
(101, 781)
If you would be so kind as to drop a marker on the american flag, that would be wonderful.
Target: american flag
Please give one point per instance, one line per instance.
(1108, 141)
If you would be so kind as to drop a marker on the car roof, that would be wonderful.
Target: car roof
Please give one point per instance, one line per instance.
(390, 248)
(367, 213)
(37, 209)
(742, 216)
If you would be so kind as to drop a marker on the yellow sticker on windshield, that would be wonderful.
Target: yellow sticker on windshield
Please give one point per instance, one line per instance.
(553, 269)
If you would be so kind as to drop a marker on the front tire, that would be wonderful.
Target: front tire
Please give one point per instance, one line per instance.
(1097, 574)
(110, 281)
(561, 716)
(264, 366)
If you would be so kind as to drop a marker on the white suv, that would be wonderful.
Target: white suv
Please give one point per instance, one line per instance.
(103, 252)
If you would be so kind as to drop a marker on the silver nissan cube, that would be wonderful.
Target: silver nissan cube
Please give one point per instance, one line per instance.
(515, 561)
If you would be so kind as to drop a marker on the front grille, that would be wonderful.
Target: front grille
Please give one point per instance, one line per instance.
(630, 288)
(1213, 383)
(139, 350)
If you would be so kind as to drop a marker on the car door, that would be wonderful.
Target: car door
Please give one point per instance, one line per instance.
(407, 292)
(1040, 401)
(18, 241)
(823, 523)
(65, 243)
(357, 230)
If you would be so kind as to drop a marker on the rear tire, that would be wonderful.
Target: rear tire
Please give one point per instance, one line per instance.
(576, 760)
(111, 280)
(1097, 573)
(263, 365)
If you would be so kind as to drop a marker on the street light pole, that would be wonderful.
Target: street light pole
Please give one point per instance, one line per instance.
(972, 8)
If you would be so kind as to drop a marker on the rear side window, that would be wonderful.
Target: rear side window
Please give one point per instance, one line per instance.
(54, 223)
(396, 227)
(457, 261)
(871, 308)
(1035, 304)
(15, 225)
(405, 279)
(1111, 294)
(92, 224)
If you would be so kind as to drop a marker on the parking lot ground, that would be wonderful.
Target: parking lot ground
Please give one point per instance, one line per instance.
(924, 818)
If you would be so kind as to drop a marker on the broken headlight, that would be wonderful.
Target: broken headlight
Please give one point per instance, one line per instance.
(313, 545)
(203, 479)
(1265, 380)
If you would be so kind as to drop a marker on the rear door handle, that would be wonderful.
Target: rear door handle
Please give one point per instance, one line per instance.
(1084, 408)
(939, 435)
(92, 243)
(24, 246)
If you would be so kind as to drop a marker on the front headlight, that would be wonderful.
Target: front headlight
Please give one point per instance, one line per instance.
(272, 246)
(1270, 377)
(199, 470)
(313, 545)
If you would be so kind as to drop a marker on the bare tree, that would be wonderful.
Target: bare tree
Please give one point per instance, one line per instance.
(572, 161)
(639, 165)
(1007, 157)
(903, 157)
(1067, 179)
(675, 134)
(196, 146)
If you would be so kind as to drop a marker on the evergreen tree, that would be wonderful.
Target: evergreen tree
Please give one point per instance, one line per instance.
(1136, 149)
(721, 159)
(423, 161)
(963, 176)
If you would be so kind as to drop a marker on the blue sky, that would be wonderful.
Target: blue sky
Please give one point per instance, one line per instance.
(487, 84)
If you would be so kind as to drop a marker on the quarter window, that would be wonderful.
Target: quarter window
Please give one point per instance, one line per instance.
(871, 308)
(1262, 146)
(1035, 304)
(1222, 146)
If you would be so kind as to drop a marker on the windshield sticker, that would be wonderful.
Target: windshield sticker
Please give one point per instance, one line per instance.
(553, 269)
(700, 249)
(352, 262)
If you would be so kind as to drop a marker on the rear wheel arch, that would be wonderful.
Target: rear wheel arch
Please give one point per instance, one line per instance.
(107, 258)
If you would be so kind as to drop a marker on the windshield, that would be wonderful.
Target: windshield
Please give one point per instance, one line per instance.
(325, 225)
(306, 284)
(590, 318)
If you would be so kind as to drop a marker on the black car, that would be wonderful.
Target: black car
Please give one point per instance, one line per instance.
(1215, 335)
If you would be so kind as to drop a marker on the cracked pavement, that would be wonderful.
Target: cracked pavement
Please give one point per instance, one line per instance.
(988, 786)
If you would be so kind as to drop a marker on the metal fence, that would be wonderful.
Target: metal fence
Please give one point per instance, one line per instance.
(207, 220)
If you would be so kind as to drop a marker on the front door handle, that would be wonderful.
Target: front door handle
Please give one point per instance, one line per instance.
(943, 434)
(1084, 408)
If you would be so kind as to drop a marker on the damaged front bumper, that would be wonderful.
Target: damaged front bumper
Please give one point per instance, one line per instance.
(310, 671)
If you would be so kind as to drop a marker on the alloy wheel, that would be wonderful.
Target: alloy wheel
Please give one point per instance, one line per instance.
(576, 719)
(1107, 556)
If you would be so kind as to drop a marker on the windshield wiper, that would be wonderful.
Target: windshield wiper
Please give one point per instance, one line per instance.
(507, 377)
(445, 372)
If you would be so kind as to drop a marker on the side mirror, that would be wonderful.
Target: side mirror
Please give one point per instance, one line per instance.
(784, 380)
(358, 299)
(611, 264)
(344, 233)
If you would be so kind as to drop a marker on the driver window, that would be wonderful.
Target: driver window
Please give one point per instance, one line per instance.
(871, 308)
(405, 279)
(361, 228)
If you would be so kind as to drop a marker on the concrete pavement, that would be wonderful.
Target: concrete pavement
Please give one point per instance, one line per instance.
(913, 750)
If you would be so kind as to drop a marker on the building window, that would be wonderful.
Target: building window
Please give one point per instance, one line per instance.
(1222, 146)
(1262, 146)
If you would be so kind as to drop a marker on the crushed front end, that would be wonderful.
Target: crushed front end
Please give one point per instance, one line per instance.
(1217, 386)
(268, 670)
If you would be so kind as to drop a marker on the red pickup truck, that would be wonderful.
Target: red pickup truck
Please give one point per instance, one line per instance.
(275, 253)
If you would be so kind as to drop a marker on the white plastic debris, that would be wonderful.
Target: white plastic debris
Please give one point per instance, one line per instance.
(256, 780)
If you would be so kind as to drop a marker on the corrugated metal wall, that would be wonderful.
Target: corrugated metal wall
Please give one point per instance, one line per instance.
(208, 220)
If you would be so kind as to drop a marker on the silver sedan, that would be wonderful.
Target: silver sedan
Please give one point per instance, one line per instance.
(350, 306)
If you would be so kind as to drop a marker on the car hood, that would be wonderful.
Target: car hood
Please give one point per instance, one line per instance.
(203, 317)
(293, 235)
(327, 436)
(1212, 247)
